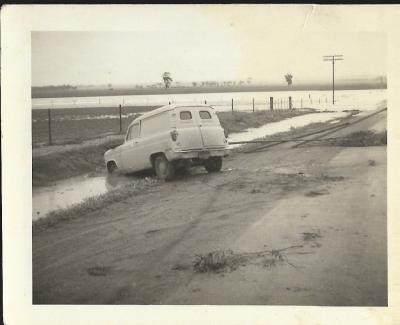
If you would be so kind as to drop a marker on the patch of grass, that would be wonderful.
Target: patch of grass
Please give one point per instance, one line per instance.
(214, 261)
(362, 139)
(93, 204)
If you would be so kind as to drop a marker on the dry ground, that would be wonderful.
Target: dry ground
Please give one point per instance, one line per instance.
(304, 226)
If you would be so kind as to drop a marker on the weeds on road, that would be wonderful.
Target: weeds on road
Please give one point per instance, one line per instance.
(220, 261)
(215, 261)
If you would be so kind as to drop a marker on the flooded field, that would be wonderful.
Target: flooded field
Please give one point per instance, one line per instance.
(344, 99)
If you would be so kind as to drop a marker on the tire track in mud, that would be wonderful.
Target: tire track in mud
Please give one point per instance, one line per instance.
(157, 261)
(149, 286)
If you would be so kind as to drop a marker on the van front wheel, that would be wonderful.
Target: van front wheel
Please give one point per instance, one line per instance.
(163, 168)
(213, 164)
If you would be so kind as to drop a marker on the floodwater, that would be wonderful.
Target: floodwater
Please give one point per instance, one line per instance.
(344, 99)
(75, 190)
(283, 126)
(72, 191)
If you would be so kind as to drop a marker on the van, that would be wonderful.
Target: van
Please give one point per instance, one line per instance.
(170, 137)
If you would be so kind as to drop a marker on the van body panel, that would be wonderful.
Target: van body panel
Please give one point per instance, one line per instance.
(189, 134)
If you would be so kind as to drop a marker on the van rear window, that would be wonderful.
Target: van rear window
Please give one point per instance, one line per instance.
(205, 115)
(185, 115)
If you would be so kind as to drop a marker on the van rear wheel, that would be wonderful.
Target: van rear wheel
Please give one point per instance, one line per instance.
(164, 169)
(213, 164)
(111, 167)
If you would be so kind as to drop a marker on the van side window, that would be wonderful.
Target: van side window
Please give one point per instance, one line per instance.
(133, 132)
(185, 115)
(205, 115)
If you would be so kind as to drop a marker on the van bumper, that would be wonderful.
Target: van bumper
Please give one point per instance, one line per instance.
(197, 154)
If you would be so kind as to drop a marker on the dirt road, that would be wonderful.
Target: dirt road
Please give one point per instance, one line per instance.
(304, 226)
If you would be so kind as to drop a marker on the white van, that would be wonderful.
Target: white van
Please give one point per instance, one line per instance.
(169, 137)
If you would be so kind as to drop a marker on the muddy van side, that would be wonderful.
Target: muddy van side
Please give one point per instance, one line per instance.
(170, 137)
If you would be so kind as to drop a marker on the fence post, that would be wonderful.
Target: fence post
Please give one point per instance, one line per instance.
(232, 105)
(253, 104)
(271, 103)
(120, 118)
(290, 102)
(49, 120)
(205, 101)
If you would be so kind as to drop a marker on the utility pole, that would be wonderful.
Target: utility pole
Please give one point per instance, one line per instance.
(333, 58)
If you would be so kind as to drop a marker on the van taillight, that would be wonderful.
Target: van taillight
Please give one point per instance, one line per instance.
(174, 135)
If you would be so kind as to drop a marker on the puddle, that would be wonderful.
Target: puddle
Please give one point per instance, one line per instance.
(72, 191)
(283, 126)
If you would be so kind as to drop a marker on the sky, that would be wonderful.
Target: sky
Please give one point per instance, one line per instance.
(198, 45)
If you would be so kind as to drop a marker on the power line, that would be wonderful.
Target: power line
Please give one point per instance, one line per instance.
(333, 58)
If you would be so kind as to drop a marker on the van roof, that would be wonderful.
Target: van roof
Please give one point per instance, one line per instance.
(167, 108)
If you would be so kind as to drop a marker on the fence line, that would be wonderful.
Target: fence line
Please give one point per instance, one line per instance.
(236, 105)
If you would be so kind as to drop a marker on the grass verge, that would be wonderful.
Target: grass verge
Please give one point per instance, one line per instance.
(92, 204)
(362, 139)
(64, 164)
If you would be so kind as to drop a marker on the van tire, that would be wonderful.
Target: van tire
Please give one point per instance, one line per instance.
(164, 169)
(213, 164)
(111, 166)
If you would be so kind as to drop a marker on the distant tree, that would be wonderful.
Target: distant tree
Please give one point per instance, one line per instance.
(289, 78)
(194, 84)
(167, 79)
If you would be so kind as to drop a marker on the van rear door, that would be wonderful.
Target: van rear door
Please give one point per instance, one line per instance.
(211, 130)
(189, 134)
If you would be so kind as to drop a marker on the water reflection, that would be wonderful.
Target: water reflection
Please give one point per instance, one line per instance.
(74, 190)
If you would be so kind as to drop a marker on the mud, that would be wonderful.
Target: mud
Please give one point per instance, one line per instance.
(151, 240)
